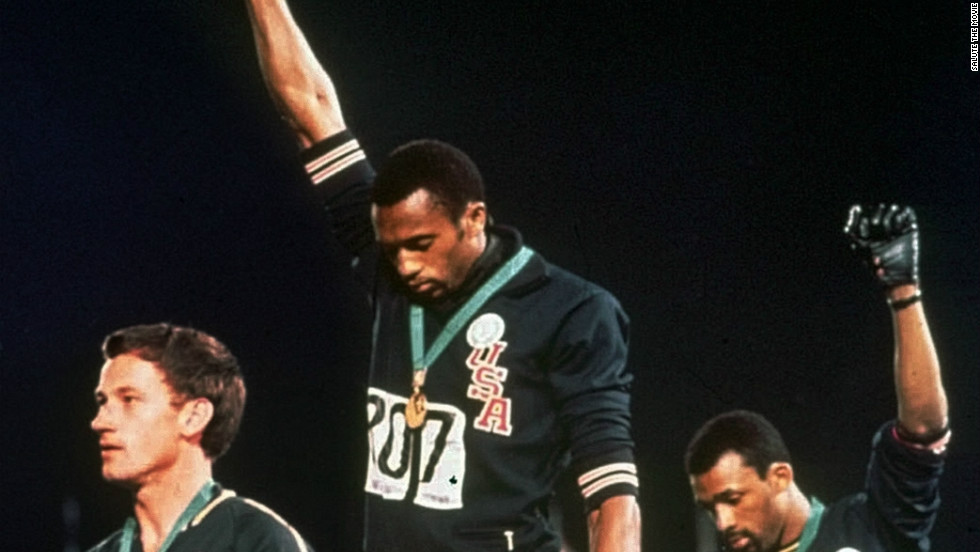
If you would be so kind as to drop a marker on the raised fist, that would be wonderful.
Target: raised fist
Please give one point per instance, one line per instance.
(886, 237)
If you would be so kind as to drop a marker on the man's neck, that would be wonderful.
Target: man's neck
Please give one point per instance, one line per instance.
(479, 270)
(799, 512)
(477, 251)
(162, 500)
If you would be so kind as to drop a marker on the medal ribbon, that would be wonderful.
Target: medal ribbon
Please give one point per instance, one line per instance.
(200, 500)
(422, 359)
(812, 524)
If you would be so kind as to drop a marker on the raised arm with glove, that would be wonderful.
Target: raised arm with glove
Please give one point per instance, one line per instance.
(886, 237)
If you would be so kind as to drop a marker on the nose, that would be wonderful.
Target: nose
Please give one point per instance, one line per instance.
(724, 518)
(100, 422)
(407, 264)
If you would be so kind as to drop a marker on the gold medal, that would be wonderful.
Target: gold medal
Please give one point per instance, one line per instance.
(415, 410)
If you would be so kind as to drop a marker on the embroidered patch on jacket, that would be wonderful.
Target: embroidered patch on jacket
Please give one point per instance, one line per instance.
(487, 379)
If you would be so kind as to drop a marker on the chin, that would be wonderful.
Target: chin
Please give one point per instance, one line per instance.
(121, 479)
(436, 295)
(429, 297)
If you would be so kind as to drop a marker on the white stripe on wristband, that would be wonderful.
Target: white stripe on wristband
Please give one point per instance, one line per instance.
(599, 478)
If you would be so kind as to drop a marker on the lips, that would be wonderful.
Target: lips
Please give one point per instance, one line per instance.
(425, 290)
(109, 447)
(738, 542)
(420, 287)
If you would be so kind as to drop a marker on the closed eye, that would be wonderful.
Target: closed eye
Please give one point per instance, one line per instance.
(419, 244)
(730, 498)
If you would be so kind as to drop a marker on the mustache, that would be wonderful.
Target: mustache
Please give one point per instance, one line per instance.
(732, 535)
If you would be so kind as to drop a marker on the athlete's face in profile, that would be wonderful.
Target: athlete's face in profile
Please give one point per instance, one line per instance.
(748, 511)
(431, 253)
(137, 421)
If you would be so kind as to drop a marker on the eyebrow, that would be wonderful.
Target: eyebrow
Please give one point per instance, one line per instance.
(725, 495)
(719, 496)
(99, 393)
(411, 239)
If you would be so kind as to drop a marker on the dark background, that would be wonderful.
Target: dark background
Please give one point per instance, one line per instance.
(697, 161)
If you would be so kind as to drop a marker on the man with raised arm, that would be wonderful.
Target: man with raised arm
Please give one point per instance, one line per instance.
(170, 400)
(740, 470)
(492, 370)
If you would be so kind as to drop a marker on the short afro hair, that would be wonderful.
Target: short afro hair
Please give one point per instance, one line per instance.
(746, 433)
(447, 173)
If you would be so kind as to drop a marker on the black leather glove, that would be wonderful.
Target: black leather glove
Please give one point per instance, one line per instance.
(886, 237)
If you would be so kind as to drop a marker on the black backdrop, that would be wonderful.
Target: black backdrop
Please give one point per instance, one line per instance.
(697, 161)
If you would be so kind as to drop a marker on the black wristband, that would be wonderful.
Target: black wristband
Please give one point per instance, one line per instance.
(899, 304)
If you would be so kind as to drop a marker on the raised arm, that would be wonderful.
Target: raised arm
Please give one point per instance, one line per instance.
(300, 87)
(922, 408)
(888, 238)
(615, 525)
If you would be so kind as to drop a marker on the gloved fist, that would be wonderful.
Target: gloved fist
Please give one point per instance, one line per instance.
(886, 237)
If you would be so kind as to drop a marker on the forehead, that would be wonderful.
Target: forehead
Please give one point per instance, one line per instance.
(417, 213)
(728, 474)
(130, 371)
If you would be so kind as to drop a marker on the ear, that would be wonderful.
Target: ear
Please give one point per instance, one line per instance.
(474, 218)
(780, 476)
(195, 416)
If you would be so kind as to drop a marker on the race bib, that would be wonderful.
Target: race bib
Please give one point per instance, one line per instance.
(427, 466)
